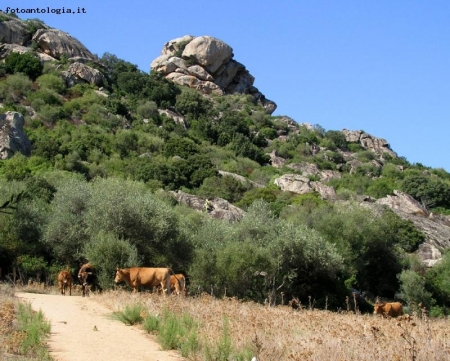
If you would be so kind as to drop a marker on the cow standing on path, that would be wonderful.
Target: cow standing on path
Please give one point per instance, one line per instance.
(144, 276)
(85, 271)
(65, 281)
(391, 309)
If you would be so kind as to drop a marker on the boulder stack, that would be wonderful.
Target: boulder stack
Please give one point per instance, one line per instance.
(206, 63)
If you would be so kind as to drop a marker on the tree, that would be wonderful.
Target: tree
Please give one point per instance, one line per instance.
(107, 252)
(412, 290)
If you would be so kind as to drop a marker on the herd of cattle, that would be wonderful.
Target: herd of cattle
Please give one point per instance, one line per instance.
(168, 282)
(135, 277)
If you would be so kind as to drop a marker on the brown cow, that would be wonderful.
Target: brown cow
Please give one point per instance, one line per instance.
(85, 271)
(65, 280)
(392, 309)
(144, 276)
(178, 283)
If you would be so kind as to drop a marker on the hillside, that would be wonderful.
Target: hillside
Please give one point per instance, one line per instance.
(97, 155)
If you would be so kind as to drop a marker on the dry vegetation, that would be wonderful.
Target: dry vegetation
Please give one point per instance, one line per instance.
(282, 333)
(16, 343)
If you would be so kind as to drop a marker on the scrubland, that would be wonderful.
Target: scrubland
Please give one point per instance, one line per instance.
(284, 333)
(205, 328)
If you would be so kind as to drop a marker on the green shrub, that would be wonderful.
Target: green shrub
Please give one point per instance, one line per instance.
(14, 87)
(131, 315)
(52, 82)
(151, 324)
(355, 147)
(147, 110)
(26, 63)
(365, 156)
(108, 251)
(36, 330)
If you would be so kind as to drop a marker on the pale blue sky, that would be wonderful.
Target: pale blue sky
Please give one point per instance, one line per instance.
(378, 66)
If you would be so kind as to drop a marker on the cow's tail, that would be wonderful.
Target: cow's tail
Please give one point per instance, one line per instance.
(171, 272)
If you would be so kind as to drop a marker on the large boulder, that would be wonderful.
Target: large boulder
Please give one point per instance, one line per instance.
(13, 31)
(435, 228)
(403, 202)
(367, 141)
(220, 208)
(302, 185)
(208, 52)
(12, 137)
(79, 72)
(57, 43)
(177, 45)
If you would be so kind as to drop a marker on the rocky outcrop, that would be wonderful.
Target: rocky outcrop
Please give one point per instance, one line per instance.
(175, 116)
(57, 43)
(79, 72)
(311, 169)
(206, 63)
(276, 161)
(13, 31)
(367, 141)
(6, 49)
(404, 203)
(435, 228)
(240, 178)
(220, 208)
(12, 137)
(302, 185)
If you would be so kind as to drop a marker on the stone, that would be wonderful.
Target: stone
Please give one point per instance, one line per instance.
(57, 43)
(276, 161)
(173, 46)
(175, 116)
(13, 31)
(83, 72)
(13, 139)
(209, 52)
(367, 141)
(221, 208)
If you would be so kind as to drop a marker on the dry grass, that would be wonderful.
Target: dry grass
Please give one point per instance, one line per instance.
(282, 333)
(11, 338)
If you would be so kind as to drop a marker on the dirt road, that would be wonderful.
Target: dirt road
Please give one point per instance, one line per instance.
(82, 329)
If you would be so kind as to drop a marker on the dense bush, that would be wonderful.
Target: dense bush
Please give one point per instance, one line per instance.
(25, 63)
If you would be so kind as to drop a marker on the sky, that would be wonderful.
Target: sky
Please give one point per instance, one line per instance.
(379, 66)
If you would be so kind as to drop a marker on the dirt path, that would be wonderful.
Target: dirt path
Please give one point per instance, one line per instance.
(81, 329)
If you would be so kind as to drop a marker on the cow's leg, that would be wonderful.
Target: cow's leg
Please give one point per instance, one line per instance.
(70, 290)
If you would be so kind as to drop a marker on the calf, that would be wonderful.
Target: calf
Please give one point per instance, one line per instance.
(65, 281)
(178, 284)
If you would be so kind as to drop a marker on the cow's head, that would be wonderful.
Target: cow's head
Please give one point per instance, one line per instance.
(83, 276)
(378, 308)
(119, 276)
(65, 277)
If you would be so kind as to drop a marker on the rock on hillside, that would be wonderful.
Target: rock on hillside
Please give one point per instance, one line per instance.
(367, 141)
(49, 44)
(206, 63)
(221, 209)
(13, 31)
(435, 228)
(57, 43)
(12, 137)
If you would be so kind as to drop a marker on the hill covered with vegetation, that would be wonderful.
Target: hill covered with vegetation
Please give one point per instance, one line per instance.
(111, 145)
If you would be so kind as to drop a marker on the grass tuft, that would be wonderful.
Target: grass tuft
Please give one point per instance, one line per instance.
(131, 315)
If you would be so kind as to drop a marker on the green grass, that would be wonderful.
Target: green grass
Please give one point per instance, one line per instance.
(35, 330)
(131, 315)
